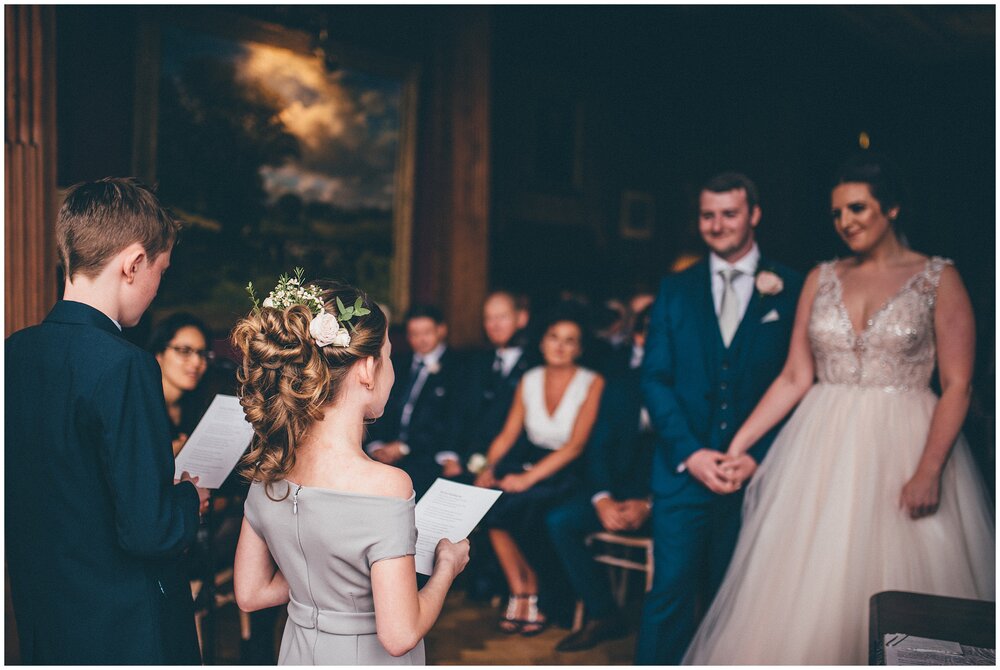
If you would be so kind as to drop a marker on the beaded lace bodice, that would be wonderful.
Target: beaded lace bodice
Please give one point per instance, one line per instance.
(895, 351)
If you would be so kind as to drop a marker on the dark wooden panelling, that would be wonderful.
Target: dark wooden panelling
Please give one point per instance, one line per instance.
(29, 155)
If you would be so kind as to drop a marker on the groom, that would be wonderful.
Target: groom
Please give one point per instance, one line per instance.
(718, 337)
(95, 523)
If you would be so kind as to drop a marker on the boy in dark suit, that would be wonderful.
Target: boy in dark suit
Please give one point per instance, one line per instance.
(95, 520)
(718, 336)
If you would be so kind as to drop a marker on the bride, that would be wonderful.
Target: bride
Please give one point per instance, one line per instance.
(869, 486)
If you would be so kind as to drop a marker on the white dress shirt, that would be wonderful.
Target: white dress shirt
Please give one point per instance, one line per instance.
(429, 360)
(509, 357)
(743, 285)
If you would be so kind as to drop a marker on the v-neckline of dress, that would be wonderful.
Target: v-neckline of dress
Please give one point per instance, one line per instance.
(870, 321)
(551, 416)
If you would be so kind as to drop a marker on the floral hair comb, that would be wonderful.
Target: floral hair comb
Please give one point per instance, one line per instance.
(325, 328)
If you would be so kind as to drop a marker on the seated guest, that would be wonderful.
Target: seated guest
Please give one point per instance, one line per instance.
(554, 406)
(180, 344)
(614, 498)
(495, 373)
(493, 376)
(622, 354)
(420, 426)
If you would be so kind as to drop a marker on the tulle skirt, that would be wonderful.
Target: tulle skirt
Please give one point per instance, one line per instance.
(823, 531)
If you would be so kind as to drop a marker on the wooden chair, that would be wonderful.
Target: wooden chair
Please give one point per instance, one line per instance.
(220, 594)
(613, 550)
(213, 588)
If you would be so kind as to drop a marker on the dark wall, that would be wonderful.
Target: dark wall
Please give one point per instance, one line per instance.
(590, 101)
(671, 95)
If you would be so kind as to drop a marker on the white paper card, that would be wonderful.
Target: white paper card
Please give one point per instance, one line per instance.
(902, 649)
(450, 510)
(216, 443)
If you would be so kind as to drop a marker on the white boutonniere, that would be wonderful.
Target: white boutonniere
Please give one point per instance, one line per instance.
(477, 463)
(433, 368)
(768, 283)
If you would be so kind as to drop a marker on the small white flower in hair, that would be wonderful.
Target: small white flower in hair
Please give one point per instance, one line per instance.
(342, 338)
(268, 302)
(325, 329)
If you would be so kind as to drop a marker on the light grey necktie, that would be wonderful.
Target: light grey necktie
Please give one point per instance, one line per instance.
(729, 308)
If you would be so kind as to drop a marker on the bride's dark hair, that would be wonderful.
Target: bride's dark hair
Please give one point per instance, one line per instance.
(883, 177)
(285, 379)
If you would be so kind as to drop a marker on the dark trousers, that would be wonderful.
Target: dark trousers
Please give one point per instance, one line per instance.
(692, 546)
(568, 525)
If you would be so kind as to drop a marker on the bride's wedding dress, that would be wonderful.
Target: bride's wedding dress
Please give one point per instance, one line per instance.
(823, 529)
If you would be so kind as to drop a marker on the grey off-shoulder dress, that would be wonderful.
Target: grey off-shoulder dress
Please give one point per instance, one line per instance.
(324, 543)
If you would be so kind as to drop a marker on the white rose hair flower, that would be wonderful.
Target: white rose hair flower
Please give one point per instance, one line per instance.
(342, 338)
(325, 328)
(768, 283)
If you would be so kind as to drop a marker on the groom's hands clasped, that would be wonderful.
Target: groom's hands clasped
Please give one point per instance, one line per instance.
(718, 472)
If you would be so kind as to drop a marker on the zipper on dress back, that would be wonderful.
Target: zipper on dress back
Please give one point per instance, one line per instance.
(295, 500)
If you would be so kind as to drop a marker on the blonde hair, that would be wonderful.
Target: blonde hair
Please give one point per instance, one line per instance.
(285, 379)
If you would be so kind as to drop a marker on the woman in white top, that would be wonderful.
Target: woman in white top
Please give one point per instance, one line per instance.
(555, 406)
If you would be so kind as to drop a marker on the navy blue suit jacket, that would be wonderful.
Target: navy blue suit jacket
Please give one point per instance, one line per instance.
(618, 457)
(435, 422)
(486, 404)
(697, 391)
(94, 522)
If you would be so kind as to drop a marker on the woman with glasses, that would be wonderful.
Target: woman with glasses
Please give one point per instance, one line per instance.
(180, 344)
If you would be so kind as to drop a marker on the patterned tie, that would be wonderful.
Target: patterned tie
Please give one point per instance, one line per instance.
(729, 308)
(408, 401)
(415, 369)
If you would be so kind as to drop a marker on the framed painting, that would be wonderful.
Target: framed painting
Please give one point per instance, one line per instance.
(638, 216)
(279, 150)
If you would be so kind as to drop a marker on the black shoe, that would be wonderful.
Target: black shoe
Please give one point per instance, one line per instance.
(593, 632)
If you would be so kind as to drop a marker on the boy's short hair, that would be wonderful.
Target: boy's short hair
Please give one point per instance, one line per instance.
(100, 218)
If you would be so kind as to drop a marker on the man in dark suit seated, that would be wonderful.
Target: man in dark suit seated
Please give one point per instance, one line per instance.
(419, 429)
(616, 499)
(95, 520)
(495, 373)
(493, 376)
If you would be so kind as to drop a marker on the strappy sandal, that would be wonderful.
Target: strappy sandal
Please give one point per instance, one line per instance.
(509, 623)
(535, 622)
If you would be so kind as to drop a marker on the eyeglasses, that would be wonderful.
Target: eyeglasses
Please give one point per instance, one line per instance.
(188, 352)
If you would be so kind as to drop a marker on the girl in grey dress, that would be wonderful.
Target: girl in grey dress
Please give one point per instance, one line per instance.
(326, 529)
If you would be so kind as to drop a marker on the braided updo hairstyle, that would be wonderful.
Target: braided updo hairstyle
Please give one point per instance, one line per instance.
(285, 379)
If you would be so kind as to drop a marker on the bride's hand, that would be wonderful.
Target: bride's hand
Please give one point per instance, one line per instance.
(740, 469)
(921, 495)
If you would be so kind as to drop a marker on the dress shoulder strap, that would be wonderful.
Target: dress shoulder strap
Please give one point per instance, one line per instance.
(827, 275)
(935, 265)
(926, 283)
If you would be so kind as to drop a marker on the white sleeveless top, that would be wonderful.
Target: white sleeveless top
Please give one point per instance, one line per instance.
(552, 431)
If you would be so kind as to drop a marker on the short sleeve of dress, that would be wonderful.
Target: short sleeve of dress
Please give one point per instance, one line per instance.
(395, 529)
(251, 507)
